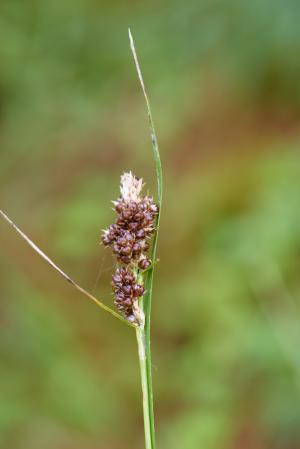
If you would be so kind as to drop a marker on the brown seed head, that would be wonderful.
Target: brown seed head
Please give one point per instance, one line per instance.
(128, 238)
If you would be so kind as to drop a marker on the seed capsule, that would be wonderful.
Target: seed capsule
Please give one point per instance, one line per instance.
(106, 240)
(133, 226)
(154, 208)
(136, 249)
(118, 207)
(116, 249)
(127, 289)
(138, 290)
(125, 251)
(144, 264)
(125, 259)
(140, 234)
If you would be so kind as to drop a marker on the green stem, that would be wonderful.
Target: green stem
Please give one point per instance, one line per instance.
(146, 389)
(143, 335)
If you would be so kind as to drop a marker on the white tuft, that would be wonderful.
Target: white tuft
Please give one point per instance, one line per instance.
(131, 187)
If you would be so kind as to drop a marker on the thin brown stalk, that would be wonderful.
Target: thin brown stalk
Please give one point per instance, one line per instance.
(65, 276)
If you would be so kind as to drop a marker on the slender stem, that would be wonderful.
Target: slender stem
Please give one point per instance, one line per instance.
(65, 276)
(147, 299)
(147, 400)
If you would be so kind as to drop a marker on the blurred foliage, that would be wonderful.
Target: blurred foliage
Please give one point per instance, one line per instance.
(223, 78)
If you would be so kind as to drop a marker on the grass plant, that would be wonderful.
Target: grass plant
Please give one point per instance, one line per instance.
(142, 328)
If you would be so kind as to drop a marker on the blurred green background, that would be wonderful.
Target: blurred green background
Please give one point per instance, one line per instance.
(223, 77)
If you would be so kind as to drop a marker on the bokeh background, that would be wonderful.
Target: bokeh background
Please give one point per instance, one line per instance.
(223, 77)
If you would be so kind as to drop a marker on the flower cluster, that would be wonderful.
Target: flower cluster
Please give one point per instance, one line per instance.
(129, 238)
(127, 291)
